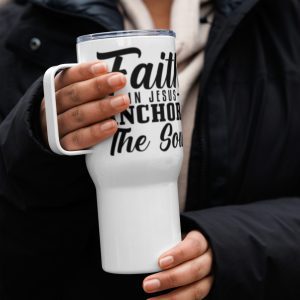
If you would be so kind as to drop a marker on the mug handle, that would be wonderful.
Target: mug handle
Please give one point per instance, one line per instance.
(51, 112)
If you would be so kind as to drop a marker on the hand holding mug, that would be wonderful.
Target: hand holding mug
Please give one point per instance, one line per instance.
(187, 269)
(84, 105)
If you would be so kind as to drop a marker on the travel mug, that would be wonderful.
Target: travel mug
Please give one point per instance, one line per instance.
(135, 172)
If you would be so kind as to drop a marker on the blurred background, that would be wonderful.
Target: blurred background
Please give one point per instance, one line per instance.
(3, 1)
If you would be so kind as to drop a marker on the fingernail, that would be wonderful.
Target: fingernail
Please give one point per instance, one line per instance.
(99, 68)
(116, 80)
(108, 125)
(119, 101)
(166, 261)
(151, 285)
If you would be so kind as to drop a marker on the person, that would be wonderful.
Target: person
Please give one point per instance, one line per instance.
(239, 189)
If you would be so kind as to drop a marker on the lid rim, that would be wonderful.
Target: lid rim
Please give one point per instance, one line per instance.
(125, 33)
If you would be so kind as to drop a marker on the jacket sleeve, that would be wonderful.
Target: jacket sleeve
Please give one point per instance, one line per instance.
(30, 173)
(47, 203)
(256, 248)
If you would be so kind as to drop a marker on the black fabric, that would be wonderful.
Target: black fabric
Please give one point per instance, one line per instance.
(227, 6)
(102, 11)
(243, 190)
(255, 248)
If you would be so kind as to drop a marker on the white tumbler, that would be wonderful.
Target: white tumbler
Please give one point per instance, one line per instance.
(135, 172)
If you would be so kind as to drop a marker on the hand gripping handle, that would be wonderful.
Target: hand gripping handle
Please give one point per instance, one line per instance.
(51, 111)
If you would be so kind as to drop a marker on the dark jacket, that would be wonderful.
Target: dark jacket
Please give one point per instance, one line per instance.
(244, 173)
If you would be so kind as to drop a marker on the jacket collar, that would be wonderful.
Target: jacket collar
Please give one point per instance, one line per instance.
(225, 7)
(104, 12)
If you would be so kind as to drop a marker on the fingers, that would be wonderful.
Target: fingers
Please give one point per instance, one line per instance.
(181, 275)
(193, 245)
(88, 90)
(80, 72)
(89, 136)
(91, 113)
(186, 268)
(84, 106)
(43, 121)
(195, 291)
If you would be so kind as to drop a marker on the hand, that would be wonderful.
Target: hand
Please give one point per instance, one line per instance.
(84, 106)
(186, 270)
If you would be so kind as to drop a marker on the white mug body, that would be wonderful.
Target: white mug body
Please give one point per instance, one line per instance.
(135, 172)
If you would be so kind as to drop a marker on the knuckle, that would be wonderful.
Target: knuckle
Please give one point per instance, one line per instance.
(195, 270)
(95, 132)
(184, 253)
(196, 244)
(60, 100)
(61, 124)
(198, 292)
(105, 109)
(77, 115)
(102, 108)
(73, 94)
(181, 252)
(172, 279)
(76, 139)
(98, 84)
